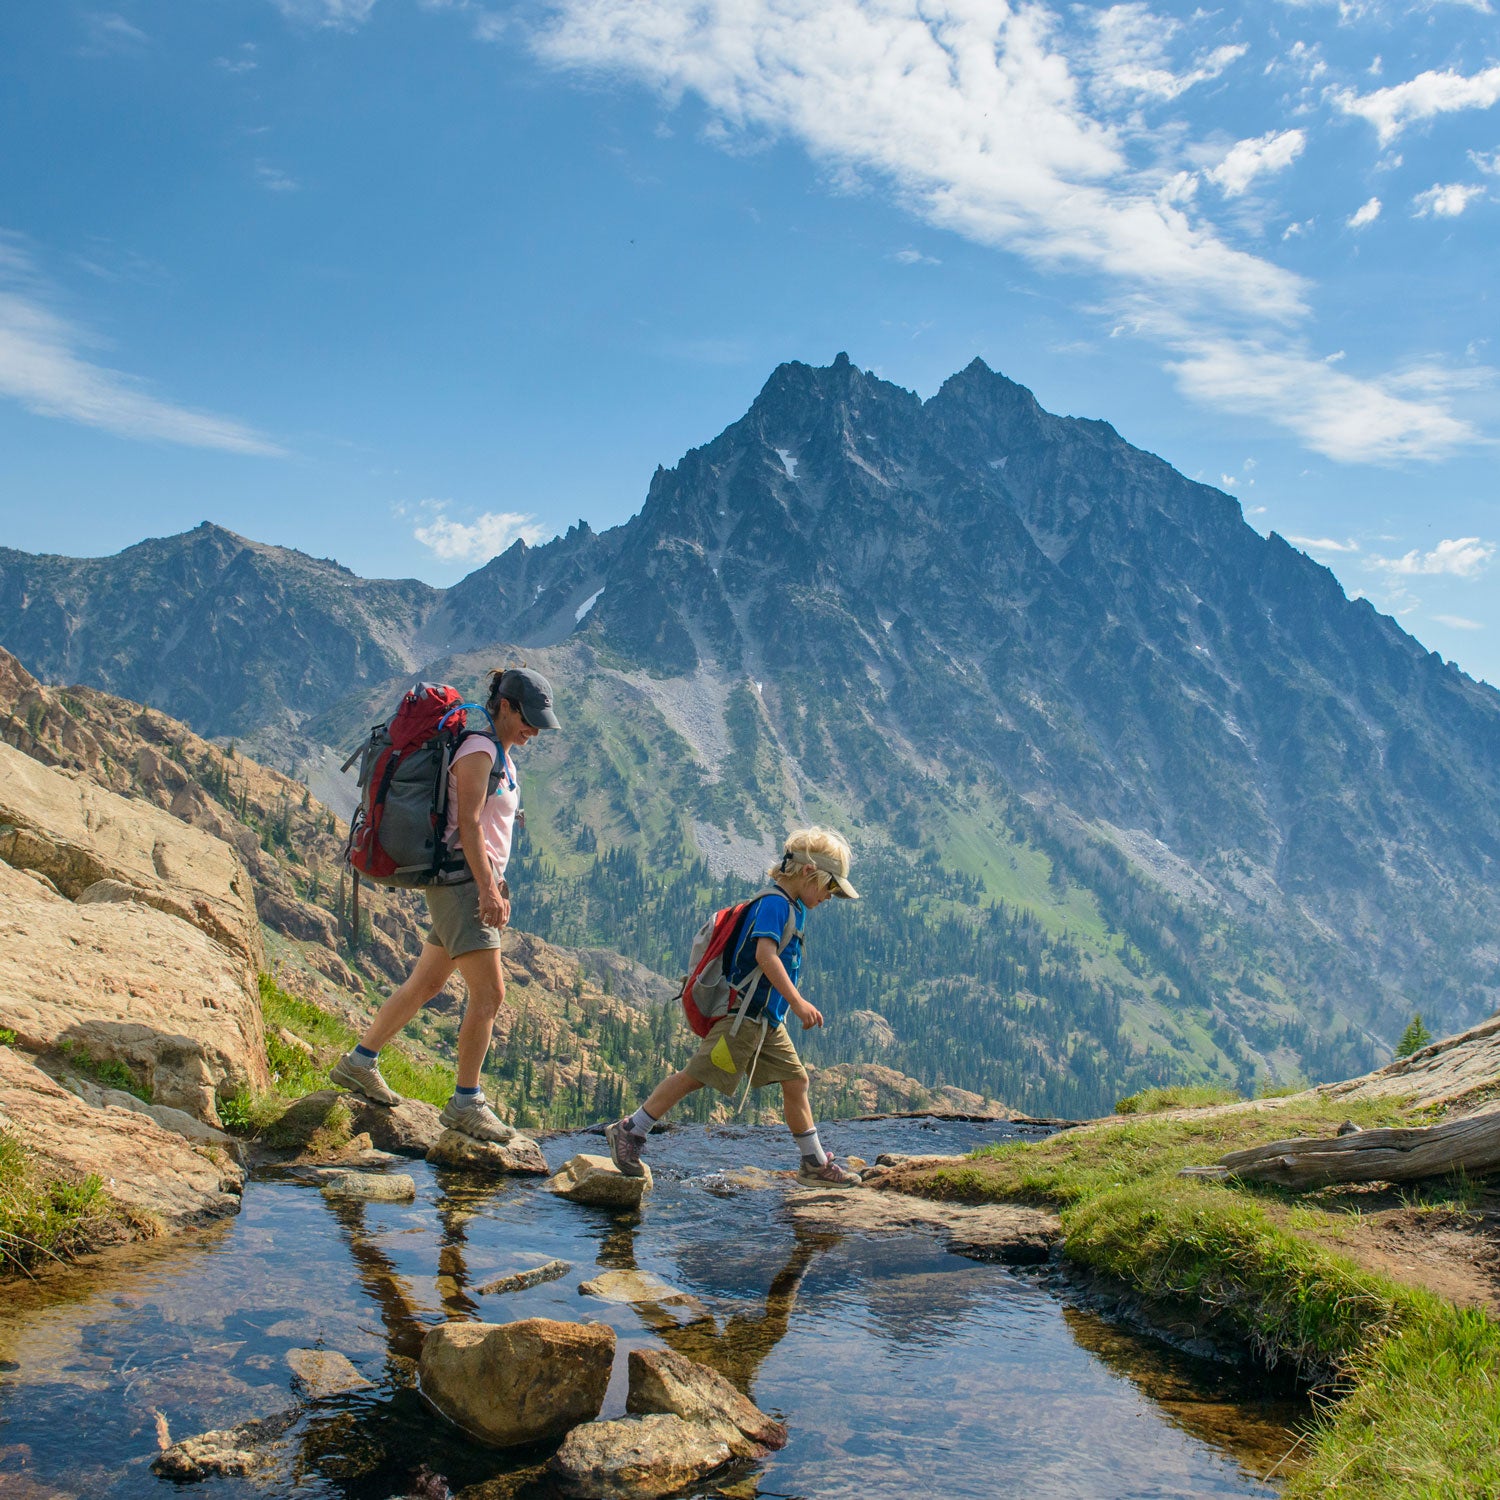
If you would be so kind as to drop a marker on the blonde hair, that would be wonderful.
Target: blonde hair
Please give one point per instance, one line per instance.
(820, 841)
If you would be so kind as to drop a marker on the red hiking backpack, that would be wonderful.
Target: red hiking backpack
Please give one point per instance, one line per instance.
(706, 994)
(396, 834)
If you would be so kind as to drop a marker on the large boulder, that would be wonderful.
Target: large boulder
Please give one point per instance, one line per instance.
(519, 1156)
(597, 1180)
(161, 1179)
(661, 1381)
(515, 1383)
(129, 984)
(83, 837)
(638, 1459)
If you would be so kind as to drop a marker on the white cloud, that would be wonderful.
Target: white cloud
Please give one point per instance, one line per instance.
(1323, 544)
(343, 14)
(1367, 213)
(1445, 200)
(1336, 414)
(479, 540)
(968, 110)
(111, 35)
(975, 117)
(1391, 110)
(1488, 162)
(1127, 57)
(1457, 622)
(274, 180)
(915, 258)
(1465, 557)
(42, 367)
(1247, 160)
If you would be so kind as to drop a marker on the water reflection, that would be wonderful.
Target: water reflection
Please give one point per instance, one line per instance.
(899, 1367)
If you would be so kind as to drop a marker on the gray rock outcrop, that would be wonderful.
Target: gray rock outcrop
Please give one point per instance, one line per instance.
(371, 1187)
(162, 1180)
(515, 1383)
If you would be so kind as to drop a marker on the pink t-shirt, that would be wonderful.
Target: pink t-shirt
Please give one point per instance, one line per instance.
(497, 818)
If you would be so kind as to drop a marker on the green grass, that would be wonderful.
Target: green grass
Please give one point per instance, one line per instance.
(109, 1071)
(8, 1038)
(44, 1217)
(295, 1073)
(1422, 1420)
(1182, 1096)
(1419, 1379)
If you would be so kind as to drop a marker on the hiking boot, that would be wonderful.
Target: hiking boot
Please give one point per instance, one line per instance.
(625, 1148)
(475, 1119)
(830, 1174)
(367, 1081)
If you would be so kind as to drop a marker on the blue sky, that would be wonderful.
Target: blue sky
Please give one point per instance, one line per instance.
(398, 280)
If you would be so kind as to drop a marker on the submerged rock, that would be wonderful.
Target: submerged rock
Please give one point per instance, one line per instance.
(664, 1382)
(373, 1187)
(635, 1286)
(519, 1156)
(598, 1181)
(322, 1372)
(640, 1458)
(246, 1449)
(515, 1383)
(518, 1281)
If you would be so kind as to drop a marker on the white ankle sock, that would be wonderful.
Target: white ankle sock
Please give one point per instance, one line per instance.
(810, 1146)
(640, 1123)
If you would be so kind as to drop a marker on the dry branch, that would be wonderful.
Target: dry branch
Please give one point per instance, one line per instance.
(1470, 1145)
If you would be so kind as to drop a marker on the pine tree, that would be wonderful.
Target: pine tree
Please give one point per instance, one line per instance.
(1414, 1038)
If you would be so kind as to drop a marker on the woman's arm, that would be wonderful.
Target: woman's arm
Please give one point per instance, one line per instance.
(472, 779)
(772, 967)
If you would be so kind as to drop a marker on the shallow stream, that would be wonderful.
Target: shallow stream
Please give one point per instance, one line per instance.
(901, 1369)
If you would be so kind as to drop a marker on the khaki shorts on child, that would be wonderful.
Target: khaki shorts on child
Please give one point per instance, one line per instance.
(721, 1059)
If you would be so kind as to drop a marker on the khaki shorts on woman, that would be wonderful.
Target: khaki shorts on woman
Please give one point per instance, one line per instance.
(456, 927)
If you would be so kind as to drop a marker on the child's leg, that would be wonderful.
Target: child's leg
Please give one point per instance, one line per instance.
(627, 1136)
(799, 1120)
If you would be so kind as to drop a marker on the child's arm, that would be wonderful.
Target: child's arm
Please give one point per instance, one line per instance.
(774, 970)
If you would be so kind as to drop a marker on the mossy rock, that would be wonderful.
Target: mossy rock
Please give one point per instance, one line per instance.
(319, 1124)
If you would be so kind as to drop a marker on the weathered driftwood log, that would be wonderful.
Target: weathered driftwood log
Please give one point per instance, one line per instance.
(1470, 1145)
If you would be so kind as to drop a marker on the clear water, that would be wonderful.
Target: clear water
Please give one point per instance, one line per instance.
(900, 1369)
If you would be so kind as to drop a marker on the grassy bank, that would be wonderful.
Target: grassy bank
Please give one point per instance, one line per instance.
(1419, 1413)
(44, 1217)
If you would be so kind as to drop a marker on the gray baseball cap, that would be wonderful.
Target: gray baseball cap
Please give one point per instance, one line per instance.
(534, 694)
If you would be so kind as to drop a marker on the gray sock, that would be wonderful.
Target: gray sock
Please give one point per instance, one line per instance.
(811, 1147)
(362, 1057)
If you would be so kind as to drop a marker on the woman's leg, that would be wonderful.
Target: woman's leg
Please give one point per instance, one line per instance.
(486, 981)
(429, 976)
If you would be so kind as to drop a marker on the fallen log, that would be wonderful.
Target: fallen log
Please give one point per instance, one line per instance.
(1470, 1146)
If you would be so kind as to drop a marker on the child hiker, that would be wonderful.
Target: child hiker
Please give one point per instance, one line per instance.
(814, 866)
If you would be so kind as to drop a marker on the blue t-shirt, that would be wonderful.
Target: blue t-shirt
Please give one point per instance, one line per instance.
(767, 918)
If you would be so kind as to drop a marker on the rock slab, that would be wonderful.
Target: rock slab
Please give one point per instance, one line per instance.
(323, 1372)
(635, 1286)
(637, 1459)
(520, 1156)
(664, 1382)
(515, 1383)
(371, 1187)
(164, 1180)
(246, 1449)
(598, 1181)
(518, 1281)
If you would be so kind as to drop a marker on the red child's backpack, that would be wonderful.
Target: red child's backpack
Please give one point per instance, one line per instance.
(706, 994)
(396, 834)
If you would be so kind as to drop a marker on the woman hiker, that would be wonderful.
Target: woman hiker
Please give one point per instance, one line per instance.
(467, 917)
